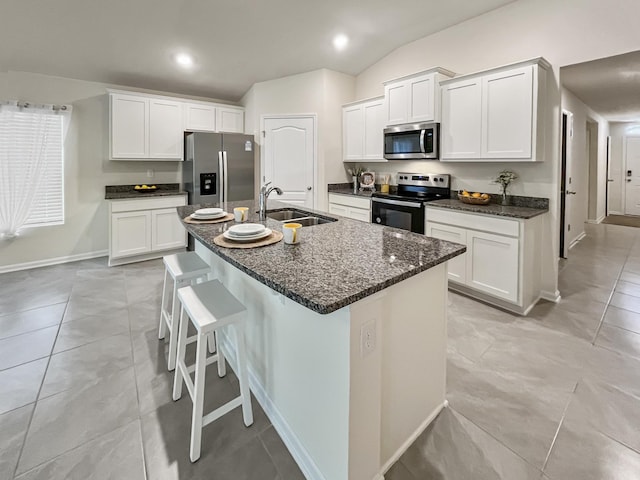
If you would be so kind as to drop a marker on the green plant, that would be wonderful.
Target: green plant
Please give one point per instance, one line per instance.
(356, 171)
(505, 178)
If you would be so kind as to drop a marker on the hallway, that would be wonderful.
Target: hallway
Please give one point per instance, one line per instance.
(556, 392)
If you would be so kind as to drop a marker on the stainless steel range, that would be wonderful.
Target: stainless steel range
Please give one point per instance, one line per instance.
(405, 209)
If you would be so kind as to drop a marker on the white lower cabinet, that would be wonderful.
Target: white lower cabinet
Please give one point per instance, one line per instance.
(500, 264)
(144, 229)
(350, 206)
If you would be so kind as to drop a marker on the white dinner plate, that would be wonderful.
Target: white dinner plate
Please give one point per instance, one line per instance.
(208, 211)
(246, 229)
(248, 238)
(195, 216)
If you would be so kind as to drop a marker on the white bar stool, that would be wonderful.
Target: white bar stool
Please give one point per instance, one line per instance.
(184, 268)
(210, 306)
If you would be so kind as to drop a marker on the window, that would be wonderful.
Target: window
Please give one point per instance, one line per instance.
(31, 167)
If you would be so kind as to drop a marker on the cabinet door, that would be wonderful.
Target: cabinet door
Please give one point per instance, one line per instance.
(507, 114)
(165, 129)
(200, 117)
(359, 214)
(166, 230)
(396, 102)
(373, 115)
(338, 209)
(492, 264)
(461, 136)
(457, 266)
(130, 233)
(352, 133)
(129, 123)
(230, 120)
(421, 99)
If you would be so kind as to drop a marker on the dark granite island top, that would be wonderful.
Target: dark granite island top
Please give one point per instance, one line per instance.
(512, 211)
(335, 264)
(117, 192)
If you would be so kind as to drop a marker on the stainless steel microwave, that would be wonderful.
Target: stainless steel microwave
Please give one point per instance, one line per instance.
(415, 141)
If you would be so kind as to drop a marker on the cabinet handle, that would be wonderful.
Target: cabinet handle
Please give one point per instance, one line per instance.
(309, 188)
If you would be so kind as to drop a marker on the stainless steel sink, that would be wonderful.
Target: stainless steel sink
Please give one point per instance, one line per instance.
(306, 219)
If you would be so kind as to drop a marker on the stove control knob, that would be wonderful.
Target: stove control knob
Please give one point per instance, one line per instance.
(426, 179)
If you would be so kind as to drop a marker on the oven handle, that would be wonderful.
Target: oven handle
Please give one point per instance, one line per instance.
(397, 202)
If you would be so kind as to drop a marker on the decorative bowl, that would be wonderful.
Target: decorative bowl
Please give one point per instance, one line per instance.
(473, 200)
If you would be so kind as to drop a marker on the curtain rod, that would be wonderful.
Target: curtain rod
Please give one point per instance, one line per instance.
(20, 104)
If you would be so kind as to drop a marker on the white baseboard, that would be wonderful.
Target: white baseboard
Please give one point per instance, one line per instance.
(291, 441)
(577, 239)
(551, 296)
(613, 212)
(597, 220)
(414, 436)
(53, 261)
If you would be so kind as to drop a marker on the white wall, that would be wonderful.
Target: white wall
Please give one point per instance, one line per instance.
(321, 92)
(619, 131)
(87, 170)
(565, 33)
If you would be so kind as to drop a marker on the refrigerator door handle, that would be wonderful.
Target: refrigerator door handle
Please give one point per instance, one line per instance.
(221, 174)
(226, 168)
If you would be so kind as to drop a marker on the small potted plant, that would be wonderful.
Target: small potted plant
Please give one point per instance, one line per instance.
(505, 178)
(355, 173)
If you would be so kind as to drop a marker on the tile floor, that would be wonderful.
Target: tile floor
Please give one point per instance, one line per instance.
(84, 392)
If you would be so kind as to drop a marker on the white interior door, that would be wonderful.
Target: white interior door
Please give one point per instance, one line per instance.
(289, 153)
(632, 176)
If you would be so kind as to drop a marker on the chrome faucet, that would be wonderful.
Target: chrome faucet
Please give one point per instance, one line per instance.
(264, 195)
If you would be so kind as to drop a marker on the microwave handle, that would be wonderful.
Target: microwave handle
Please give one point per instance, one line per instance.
(422, 135)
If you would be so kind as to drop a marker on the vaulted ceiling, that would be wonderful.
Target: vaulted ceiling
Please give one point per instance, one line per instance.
(234, 43)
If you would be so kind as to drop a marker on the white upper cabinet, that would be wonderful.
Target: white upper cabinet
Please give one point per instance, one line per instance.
(200, 117)
(151, 127)
(165, 130)
(495, 115)
(362, 131)
(229, 120)
(414, 98)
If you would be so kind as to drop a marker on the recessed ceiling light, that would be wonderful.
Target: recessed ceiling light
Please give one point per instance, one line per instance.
(184, 60)
(340, 41)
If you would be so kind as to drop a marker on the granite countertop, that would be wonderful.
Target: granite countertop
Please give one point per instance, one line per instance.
(518, 210)
(335, 264)
(347, 189)
(116, 192)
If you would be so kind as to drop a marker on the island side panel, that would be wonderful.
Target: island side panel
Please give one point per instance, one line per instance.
(299, 370)
(414, 357)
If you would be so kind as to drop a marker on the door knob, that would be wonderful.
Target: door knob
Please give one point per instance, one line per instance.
(628, 179)
(610, 180)
(308, 188)
(569, 192)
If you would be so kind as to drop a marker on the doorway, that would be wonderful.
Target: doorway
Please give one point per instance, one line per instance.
(592, 159)
(565, 180)
(289, 156)
(632, 175)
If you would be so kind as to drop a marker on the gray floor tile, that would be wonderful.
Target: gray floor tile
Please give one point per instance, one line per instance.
(620, 340)
(27, 347)
(80, 307)
(91, 328)
(115, 455)
(586, 454)
(144, 316)
(622, 318)
(452, 447)
(613, 368)
(13, 426)
(630, 277)
(87, 364)
(77, 416)
(30, 320)
(577, 317)
(399, 472)
(143, 289)
(627, 302)
(34, 296)
(20, 385)
(628, 288)
(282, 459)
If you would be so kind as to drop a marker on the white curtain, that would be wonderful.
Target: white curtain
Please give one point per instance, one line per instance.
(24, 133)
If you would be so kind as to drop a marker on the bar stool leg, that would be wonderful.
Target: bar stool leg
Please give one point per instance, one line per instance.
(212, 342)
(243, 377)
(163, 326)
(182, 345)
(173, 339)
(198, 397)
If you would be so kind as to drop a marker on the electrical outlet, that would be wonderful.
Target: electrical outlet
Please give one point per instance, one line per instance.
(367, 338)
(150, 173)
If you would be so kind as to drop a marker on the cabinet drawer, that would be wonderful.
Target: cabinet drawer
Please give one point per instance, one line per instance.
(131, 205)
(350, 201)
(499, 226)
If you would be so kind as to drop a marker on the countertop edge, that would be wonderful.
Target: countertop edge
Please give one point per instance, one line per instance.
(534, 212)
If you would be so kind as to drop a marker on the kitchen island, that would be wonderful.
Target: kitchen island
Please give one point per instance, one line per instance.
(346, 337)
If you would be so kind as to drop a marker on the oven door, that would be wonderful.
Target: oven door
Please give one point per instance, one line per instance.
(403, 214)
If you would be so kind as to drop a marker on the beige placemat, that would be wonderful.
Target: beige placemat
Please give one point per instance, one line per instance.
(226, 218)
(275, 237)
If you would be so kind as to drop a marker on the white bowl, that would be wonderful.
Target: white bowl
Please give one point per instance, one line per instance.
(208, 211)
(246, 229)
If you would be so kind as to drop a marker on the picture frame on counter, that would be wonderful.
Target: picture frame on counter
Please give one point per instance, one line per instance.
(368, 181)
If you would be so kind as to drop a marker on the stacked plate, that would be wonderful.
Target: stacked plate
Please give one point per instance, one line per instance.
(208, 214)
(247, 232)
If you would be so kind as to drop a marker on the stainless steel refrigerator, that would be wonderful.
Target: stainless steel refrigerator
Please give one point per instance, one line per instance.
(218, 167)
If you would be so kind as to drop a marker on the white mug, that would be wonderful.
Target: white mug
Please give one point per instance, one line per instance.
(241, 214)
(290, 232)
